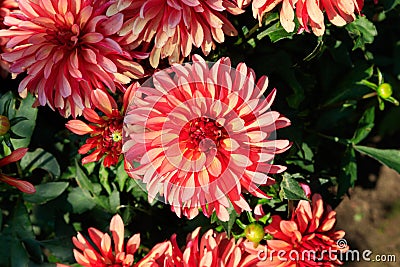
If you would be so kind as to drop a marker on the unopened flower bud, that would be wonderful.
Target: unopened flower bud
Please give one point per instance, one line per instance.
(255, 233)
(4, 125)
(385, 90)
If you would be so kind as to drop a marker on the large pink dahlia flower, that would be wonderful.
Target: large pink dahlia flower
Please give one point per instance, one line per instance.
(68, 48)
(309, 13)
(173, 27)
(203, 135)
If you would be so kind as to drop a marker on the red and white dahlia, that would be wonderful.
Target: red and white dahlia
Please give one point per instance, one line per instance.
(309, 13)
(173, 27)
(68, 48)
(308, 239)
(203, 135)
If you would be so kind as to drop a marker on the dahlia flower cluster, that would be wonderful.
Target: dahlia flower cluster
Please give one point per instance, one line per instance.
(200, 137)
(311, 227)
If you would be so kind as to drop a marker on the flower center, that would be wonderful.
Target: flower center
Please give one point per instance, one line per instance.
(202, 134)
(116, 136)
(67, 37)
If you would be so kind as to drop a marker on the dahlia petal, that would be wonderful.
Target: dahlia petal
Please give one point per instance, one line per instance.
(133, 244)
(92, 37)
(80, 259)
(23, 186)
(117, 230)
(112, 25)
(103, 101)
(78, 127)
(15, 156)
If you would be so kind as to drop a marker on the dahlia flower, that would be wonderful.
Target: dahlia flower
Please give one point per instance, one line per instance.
(99, 251)
(68, 49)
(203, 135)
(309, 12)
(210, 249)
(106, 130)
(307, 239)
(175, 26)
(15, 156)
(6, 6)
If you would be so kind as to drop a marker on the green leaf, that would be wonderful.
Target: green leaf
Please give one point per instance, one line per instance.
(40, 159)
(389, 157)
(25, 128)
(121, 176)
(304, 158)
(349, 88)
(228, 224)
(348, 172)
(103, 176)
(114, 200)
(19, 256)
(61, 248)
(46, 192)
(80, 200)
(82, 179)
(362, 31)
(276, 32)
(365, 125)
(291, 189)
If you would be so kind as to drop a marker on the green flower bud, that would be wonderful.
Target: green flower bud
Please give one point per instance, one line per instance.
(255, 233)
(4, 125)
(385, 90)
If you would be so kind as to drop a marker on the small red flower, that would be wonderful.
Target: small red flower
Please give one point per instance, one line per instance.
(99, 251)
(105, 130)
(15, 156)
(307, 239)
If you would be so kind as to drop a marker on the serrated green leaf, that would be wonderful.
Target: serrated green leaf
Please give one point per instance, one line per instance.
(80, 200)
(40, 159)
(46, 192)
(348, 173)
(362, 31)
(291, 189)
(389, 157)
(365, 125)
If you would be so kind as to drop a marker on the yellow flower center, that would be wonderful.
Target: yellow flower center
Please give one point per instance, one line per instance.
(116, 136)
